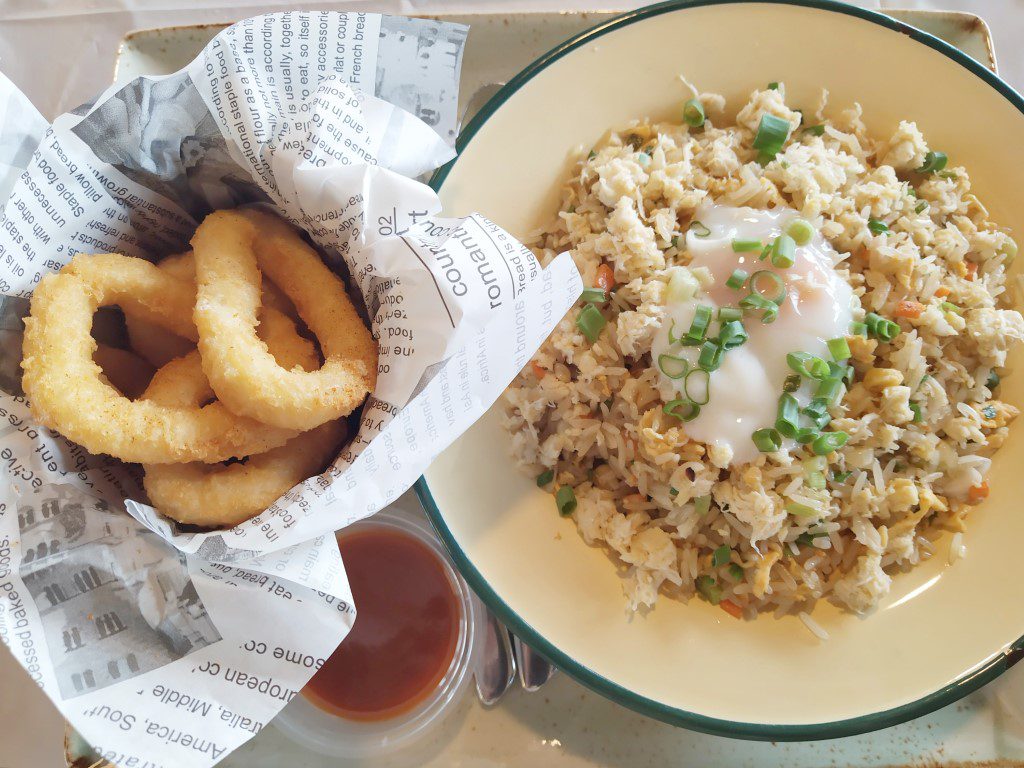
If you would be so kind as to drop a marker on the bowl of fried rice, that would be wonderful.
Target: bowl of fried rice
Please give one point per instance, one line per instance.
(760, 481)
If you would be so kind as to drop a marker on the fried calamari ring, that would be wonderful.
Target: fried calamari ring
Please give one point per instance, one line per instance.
(65, 388)
(151, 340)
(218, 495)
(231, 247)
(125, 371)
(160, 346)
(215, 495)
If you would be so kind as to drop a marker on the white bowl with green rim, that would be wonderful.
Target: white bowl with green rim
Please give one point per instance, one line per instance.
(944, 631)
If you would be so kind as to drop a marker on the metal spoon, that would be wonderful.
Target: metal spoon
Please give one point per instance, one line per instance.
(534, 669)
(497, 668)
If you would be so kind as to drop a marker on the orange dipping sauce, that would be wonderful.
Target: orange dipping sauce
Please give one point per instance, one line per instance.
(405, 633)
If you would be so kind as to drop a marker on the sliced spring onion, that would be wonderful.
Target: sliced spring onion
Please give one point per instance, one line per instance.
(698, 386)
(816, 408)
(708, 589)
(672, 338)
(806, 435)
(753, 302)
(773, 86)
(921, 207)
(595, 295)
(745, 246)
(699, 327)
(801, 230)
(948, 306)
(817, 412)
(701, 505)
(989, 412)
(735, 571)
(880, 328)
(829, 390)
(721, 556)
(772, 133)
(787, 420)
(877, 226)
(859, 329)
(767, 440)
(672, 366)
(839, 348)
(916, 409)
(888, 331)
(792, 383)
(698, 229)
(933, 161)
(768, 285)
(841, 477)
(673, 491)
(807, 365)
(815, 480)
(783, 252)
(737, 278)
(948, 175)
(805, 539)
(693, 113)
(710, 356)
(728, 314)
(732, 335)
(814, 463)
(565, 498)
(684, 410)
(800, 510)
(815, 130)
(590, 322)
(545, 477)
(992, 381)
(643, 158)
(828, 442)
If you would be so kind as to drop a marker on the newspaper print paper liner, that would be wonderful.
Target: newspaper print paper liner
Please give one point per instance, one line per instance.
(160, 642)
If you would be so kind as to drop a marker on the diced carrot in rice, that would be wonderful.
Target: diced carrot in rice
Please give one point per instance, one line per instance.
(909, 309)
(731, 608)
(978, 492)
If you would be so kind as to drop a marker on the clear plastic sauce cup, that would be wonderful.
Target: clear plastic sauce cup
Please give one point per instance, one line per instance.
(347, 730)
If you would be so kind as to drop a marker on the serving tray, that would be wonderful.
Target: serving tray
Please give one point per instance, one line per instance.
(565, 725)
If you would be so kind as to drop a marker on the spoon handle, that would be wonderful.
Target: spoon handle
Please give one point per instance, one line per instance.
(497, 668)
(534, 669)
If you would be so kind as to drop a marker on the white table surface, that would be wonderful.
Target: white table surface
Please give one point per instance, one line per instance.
(78, 40)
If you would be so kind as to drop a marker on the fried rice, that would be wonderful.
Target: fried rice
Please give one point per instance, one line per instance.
(922, 411)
